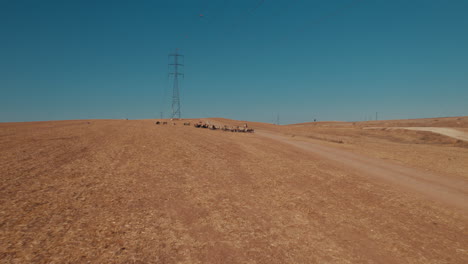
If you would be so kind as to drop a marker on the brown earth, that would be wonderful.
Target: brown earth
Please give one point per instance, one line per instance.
(116, 191)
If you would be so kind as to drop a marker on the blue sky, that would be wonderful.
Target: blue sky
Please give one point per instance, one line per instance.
(244, 59)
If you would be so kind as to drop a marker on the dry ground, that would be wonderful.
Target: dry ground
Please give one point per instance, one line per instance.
(116, 191)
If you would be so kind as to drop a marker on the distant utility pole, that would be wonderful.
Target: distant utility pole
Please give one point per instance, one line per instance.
(175, 88)
(277, 119)
(161, 115)
(375, 116)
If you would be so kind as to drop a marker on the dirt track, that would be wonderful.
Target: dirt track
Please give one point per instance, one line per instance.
(453, 192)
(116, 191)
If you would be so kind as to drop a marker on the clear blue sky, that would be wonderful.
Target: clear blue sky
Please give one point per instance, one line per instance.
(245, 59)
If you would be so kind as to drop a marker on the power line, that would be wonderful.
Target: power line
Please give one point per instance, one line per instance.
(204, 15)
(259, 4)
(316, 21)
(336, 12)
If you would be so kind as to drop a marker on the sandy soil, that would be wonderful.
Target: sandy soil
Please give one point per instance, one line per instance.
(116, 191)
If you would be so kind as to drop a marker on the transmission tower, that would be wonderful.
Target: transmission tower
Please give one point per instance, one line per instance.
(175, 88)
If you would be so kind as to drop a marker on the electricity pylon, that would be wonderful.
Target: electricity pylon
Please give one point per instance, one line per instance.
(175, 88)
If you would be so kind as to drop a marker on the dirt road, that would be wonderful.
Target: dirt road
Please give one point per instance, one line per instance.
(453, 192)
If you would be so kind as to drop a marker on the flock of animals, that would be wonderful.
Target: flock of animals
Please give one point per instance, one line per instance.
(244, 129)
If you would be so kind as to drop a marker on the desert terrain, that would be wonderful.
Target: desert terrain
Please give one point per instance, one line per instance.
(131, 191)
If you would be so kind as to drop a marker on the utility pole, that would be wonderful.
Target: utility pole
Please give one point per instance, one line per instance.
(277, 119)
(161, 115)
(175, 88)
(375, 116)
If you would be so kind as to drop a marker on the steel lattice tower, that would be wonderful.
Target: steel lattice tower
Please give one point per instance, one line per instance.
(175, 88)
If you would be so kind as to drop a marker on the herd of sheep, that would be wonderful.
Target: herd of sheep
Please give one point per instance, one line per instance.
(244, 129)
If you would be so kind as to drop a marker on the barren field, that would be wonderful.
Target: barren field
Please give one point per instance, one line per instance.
(130, 191)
